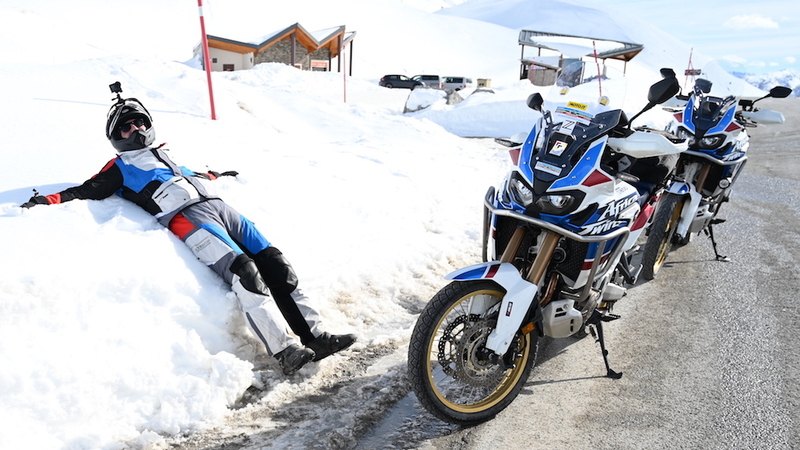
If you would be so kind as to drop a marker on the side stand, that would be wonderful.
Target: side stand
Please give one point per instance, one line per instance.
(710, 232)
(597, 320)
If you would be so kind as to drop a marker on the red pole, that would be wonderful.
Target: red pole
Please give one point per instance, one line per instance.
(206, 59)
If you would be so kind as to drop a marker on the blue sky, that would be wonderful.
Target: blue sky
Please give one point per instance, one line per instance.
(752, 36)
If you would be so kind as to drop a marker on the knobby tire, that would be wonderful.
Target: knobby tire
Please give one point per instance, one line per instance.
(662, 230)
(447, 369)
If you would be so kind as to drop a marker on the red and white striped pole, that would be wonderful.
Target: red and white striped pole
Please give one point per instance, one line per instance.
(206, 59)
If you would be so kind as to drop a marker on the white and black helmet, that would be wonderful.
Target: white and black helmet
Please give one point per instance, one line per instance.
(121, 112)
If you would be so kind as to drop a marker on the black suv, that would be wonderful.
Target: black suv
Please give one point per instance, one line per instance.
(399, 81)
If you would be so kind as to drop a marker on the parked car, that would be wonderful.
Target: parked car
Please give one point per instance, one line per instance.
(433, 81)
(399, 81)
(457, 83)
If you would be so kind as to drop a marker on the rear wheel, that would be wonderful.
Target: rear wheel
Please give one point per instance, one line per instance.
(452, 373)
(662, 230)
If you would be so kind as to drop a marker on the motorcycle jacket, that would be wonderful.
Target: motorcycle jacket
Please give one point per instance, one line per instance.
(146, 177)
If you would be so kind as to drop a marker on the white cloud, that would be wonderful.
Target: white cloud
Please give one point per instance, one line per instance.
(790, 59)
(750, 21)
(734, 60)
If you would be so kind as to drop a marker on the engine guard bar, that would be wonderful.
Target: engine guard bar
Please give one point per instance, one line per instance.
(713, 160)
(622, 233)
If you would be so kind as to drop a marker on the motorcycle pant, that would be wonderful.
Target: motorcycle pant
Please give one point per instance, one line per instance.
(262, 315)
(219, 237)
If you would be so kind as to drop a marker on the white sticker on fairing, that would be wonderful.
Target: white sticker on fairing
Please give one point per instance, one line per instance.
(547, 168)
(558, 148)
(567, 126)
(609, 218)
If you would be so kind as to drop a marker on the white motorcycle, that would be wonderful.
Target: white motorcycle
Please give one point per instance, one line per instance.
(558, 235)
(714, 119)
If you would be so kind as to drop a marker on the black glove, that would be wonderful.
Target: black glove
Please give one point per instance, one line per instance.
(35, 200)
(229, 173)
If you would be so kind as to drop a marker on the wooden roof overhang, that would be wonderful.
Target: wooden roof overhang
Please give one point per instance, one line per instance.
(230, 45)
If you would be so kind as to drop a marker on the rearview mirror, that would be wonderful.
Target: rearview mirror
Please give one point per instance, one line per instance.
(535, 101)
(780, 92)
(663, 90)
(659, 92)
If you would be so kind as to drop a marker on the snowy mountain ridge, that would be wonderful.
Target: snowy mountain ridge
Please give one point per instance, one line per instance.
(787, 77)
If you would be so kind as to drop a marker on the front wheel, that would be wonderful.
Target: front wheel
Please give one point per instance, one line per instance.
(662, 230)
(452, 373)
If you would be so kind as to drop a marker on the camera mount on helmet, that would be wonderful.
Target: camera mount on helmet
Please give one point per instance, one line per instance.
(116, 88)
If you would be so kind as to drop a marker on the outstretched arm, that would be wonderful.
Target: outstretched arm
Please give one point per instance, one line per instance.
(212, 175)
(100, 186)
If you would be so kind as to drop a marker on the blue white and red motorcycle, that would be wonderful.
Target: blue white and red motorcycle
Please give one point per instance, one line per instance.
(714, 119)
(558, 232)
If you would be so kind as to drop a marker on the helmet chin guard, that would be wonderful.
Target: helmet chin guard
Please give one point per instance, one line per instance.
(137, 140)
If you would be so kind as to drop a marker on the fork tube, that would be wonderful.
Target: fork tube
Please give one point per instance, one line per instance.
(546, 249)
(701, 178)
(513, 245)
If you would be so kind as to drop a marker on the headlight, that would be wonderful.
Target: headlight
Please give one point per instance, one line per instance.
(711, 142)
(556, 204)
(683, 133)
(522, 194)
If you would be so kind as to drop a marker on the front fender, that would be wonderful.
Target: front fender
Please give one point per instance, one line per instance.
(520, 293)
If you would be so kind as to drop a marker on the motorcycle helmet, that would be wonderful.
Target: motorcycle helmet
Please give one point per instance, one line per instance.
(121, 112)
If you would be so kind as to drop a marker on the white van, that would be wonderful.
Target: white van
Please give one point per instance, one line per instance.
(457, 83)
(432, 81)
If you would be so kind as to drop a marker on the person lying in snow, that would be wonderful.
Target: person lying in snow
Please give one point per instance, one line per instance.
(219, 236)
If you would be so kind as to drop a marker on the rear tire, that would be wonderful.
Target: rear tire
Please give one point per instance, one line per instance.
(450, 369)
(662, 230)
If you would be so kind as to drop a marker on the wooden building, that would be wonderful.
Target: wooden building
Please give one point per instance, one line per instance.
(293, 45)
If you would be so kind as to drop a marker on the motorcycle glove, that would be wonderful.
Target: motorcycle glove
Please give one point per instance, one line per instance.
(229, 173)
(35, 200)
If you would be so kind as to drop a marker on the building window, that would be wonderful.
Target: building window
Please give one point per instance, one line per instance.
(213, 60)
(227, 67)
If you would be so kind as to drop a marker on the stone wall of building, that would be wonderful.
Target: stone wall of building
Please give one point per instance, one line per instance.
(282, 52)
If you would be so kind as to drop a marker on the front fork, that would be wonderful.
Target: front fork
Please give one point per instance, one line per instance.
(518, 302)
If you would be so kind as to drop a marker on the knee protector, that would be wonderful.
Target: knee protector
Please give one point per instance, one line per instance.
(276, 271)
(249, 275)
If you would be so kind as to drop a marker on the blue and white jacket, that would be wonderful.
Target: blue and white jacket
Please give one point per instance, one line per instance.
(146, 177)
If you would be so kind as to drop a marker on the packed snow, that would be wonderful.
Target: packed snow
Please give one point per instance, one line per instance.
(112, 334)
